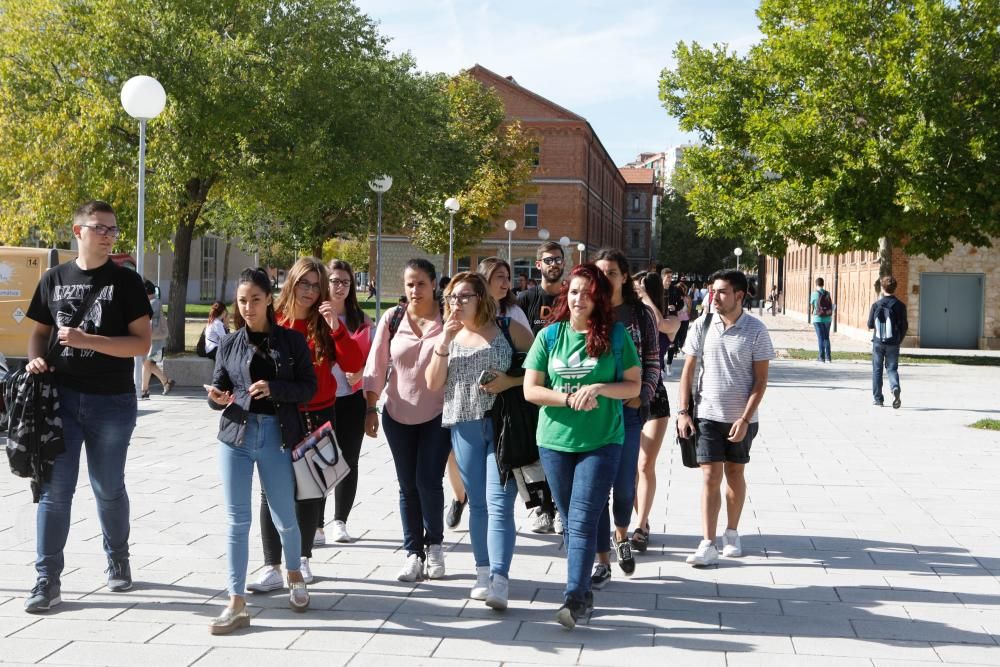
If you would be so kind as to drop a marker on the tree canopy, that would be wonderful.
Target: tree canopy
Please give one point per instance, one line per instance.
(278, 114)
(853, 124)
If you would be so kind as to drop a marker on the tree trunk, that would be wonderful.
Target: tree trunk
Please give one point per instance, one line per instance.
(221, 296)
(317, 251)
(196, 192)
(884, 256)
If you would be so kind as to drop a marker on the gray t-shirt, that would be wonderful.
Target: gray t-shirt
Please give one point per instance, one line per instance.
(727, 365)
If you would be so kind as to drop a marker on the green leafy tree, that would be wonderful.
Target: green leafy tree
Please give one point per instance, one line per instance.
(682, 247)
(851, 125)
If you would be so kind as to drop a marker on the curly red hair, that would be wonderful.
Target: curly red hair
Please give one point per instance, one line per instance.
(601, 318)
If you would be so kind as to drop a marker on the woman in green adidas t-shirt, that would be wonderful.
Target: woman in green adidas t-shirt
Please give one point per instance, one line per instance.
(580, 369)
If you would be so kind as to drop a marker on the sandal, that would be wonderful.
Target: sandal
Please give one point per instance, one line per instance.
(640, 540)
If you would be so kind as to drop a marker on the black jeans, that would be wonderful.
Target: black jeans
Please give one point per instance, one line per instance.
(306, 511)
(420, 453)
(351, 411)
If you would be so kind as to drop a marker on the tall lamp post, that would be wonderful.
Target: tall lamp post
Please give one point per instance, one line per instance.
(380, 186)
(451, 205)
(510, 226)
(143, 98)
(738, 252)
(581, 246)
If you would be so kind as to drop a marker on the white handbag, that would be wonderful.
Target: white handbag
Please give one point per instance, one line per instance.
(318, 464)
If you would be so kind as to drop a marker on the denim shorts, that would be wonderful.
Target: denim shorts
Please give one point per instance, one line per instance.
(714, 445)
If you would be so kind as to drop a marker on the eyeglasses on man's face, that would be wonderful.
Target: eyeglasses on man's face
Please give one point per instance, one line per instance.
(337, 283)
(103, 230)
(460, 298)
(553, 261)
(307, 286)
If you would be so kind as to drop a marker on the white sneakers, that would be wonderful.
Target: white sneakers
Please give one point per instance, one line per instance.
(270, 580)
(340, 533)
(497, 596)
(413, 569)
(706, 553)
(482, 586)
(435, 561)
(731, 545)
(307, 575)
(319, 539)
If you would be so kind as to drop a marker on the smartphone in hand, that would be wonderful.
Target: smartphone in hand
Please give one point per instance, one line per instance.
(486, 377)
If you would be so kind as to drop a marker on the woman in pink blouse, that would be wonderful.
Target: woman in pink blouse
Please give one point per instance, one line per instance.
(411, 417)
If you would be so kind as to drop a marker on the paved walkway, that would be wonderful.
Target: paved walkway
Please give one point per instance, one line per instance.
(871, 536)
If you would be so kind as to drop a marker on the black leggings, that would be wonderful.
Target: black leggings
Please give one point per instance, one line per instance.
(351, 411)
(306, 511)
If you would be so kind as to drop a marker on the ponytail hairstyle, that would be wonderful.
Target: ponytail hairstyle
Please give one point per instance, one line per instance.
(601, 318)
(615, 255)
(259, 278)
(353, 314)
(317, 330)
(216, 310)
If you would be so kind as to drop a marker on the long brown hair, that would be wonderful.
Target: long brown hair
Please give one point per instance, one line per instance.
(353, 314)
(487, 268)
(601, 318)
(317, 330)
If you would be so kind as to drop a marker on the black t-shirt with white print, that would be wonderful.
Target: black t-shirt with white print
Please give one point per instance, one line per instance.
(60, 293)
(537, 305)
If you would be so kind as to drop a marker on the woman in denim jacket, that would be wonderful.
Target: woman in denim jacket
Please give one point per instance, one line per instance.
(262, 373)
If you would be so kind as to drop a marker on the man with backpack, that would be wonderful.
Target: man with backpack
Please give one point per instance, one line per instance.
(887, 320)
(821, 304)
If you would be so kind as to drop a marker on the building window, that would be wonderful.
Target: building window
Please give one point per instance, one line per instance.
(635, 238)
(536, 155)
(635, 203)
(463, 264)
(531, 216)
(525, 267)
(209, 252)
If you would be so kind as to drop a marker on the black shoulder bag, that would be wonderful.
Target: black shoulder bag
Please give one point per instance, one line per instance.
(689, 444)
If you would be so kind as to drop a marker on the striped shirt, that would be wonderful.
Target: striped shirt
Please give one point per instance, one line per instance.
(727, 365)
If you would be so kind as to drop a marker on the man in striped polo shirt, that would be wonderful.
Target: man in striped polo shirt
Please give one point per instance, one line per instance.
(735, 350)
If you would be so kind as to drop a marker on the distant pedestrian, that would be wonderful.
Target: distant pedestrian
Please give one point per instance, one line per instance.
(154, 357)
(821, 306)
(887, 320)
(736, 350)
(216, 329)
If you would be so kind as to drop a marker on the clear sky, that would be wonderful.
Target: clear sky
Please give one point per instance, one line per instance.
(601, 59)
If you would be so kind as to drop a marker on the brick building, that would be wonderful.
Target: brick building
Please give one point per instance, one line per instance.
(579, 192)
(641, 194)
(949, 302)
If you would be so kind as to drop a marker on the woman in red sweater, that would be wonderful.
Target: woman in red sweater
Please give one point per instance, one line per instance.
(304, 305)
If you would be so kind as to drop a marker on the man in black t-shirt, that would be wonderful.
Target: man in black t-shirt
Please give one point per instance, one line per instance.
(536, 302)
(93, 371)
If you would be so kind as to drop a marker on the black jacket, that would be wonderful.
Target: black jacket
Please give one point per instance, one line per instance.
(899, 323)
(295, 383)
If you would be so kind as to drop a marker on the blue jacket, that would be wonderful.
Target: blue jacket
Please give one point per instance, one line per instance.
(294, 383)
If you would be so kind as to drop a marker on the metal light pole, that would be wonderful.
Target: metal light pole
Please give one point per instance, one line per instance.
(143, 98)
(738, 252)
(581, 246)
(380, 185)
(510, 226)
(451, 205)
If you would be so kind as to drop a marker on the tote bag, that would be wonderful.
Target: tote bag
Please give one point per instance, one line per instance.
(318, 464)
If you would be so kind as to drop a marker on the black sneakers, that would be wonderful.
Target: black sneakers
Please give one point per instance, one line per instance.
(43, 597)
(895, 399)
(626, 561)
(573, 610)
(119, 575)
(454, 515)
(601, 576)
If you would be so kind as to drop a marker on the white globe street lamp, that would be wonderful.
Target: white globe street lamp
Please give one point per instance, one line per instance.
(380, 186)
(510, 226)
(564, 241)
(143, 98)
(451, 205)
(543, 234)
(738, 252)
(581, 247)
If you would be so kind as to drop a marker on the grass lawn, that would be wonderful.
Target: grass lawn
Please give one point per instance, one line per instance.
(810, 355)
(987, 424)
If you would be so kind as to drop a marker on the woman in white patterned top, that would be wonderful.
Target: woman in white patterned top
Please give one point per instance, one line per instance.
(469, 361)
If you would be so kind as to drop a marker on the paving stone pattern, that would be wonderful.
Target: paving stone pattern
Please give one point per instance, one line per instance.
(871, 538)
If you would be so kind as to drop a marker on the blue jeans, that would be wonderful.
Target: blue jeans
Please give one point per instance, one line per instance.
(261, 446)
(823, 338)
(623, 484)
(580, 484)
(491, 506)
(420, 453)
(888, 356)
(103, 424)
